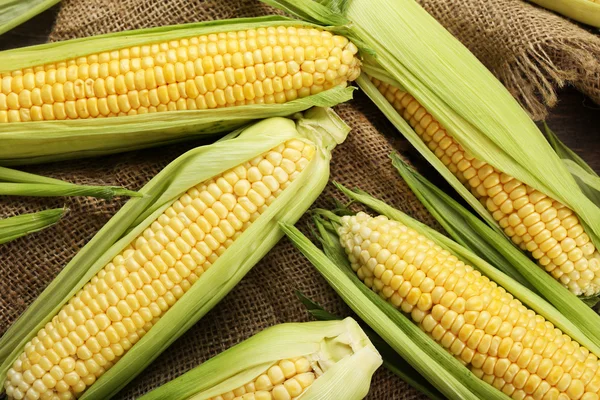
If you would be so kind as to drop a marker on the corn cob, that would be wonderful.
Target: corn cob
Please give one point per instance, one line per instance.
(479, 322)
(286, 380)
(547, 229)
(126, 298)
(313, 361)
(255, 66)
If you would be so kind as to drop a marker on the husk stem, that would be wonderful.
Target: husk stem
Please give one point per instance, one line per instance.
(15, 227)
(326, 343)
(417, 54)
(14, 12)
(472, 233)
(43, 141)
(448, 375)
(193, 167)
(391, 359)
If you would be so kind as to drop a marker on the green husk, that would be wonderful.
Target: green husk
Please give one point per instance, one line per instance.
(322, 126)
(472, 233)
(15, 12)
(391, 359)
(433, 362)
(19, 183)
(43, 141)
(341, 348)
(15, 227)
(414, 52)
(585, 11)
(584, 175)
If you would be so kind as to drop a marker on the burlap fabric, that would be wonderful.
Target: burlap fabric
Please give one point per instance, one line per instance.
(264, 298)
(531, 50)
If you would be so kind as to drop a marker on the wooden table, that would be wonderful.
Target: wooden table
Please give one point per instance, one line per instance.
(576, 119)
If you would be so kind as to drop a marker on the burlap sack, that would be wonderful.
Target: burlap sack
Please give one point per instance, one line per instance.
(531, 50)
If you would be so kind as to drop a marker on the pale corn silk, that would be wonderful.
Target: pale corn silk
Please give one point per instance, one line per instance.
(126, 298)
(257, 66)
(503, 342)
(544, 227)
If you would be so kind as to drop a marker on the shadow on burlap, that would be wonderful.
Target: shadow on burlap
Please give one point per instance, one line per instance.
(265, 297)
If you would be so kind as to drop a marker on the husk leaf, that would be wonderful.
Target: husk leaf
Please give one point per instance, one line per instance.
(15, 227)
(246, 361)
(15, 12)
(19, 183)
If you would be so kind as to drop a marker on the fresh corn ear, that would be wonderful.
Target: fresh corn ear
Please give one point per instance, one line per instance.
(538, 224)
(14, 13)
(511, 340)
(585, 11)
(472, 233)
(314, 360)
(481, 132)
(15, 227)
(164, 84)
(167, 258)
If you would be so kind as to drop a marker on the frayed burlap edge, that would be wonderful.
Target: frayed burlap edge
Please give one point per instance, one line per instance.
(534, 75)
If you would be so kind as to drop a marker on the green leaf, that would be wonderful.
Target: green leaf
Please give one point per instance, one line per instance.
(18, 183)
(15, 227)
(135, 216)
(15, 12)
(472, 233)
(584, 175)
(391, 359)
(341, 348)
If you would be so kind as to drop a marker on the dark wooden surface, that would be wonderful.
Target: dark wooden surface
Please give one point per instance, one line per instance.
(576, 119)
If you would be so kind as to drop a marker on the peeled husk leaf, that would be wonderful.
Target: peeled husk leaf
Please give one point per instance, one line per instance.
(19, 183)
(15, 12)
(341, 346)
(321, 126)
(15, 227)
(42, 141)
